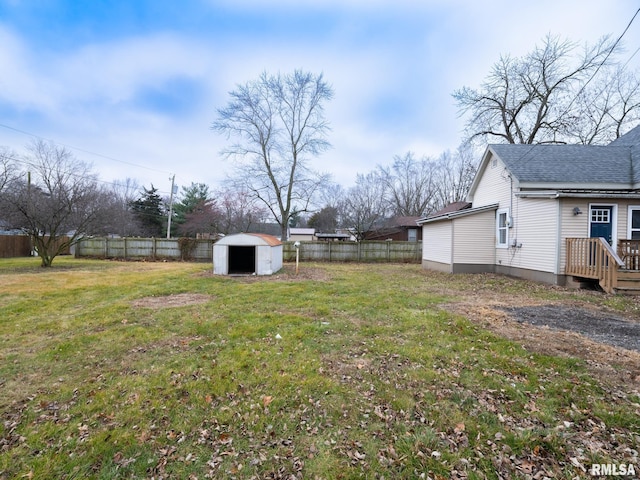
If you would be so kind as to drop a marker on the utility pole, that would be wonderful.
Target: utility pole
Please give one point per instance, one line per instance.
(173, 177)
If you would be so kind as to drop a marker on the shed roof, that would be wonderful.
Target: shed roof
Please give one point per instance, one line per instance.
(249, 239)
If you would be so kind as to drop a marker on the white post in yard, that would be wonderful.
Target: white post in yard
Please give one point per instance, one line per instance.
(297, 245)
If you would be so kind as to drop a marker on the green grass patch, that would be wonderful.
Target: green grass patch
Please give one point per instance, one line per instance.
(350, 371)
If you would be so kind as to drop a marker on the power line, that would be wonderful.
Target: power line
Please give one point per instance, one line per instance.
(575, 97)
(85, 151)
(609, 53)
(93, 177)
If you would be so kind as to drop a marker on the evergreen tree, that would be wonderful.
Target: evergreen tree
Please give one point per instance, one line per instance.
(149, 211)
(193, 199)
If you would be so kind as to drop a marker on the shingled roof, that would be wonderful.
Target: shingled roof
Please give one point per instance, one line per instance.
(613, 166)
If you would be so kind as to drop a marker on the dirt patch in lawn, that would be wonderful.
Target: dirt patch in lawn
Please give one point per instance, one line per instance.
(609, 343)
(168, 301)
(287, 274)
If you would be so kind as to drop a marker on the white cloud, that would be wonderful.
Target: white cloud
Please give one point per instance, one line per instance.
(89, 96)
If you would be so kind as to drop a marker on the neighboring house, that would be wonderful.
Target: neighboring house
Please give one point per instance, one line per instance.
(334, 237)
(549, 213)
(401, 229)
(302, 234)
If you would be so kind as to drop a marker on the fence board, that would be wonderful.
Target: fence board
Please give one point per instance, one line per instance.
(151, 248)
(141, 248)
(367, 252)
(15, 246)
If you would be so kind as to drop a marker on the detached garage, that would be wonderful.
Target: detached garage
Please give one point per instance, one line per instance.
(247, 254)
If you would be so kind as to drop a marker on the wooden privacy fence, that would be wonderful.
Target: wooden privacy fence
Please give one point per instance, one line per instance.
(158, 248)
(366, 252)
(15, 246)
(145, 248)
(21, 246)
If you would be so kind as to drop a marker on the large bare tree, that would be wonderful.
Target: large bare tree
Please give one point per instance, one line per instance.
(410, 184)
(557, 93)
(56, 200)
(278, 125)
(122, 221)
(365, 204)
(239, 210)
(456, 171)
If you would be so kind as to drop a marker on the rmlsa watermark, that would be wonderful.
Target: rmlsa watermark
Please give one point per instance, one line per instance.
(612, 469)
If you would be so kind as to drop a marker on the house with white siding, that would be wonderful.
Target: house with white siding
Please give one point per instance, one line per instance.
(551, 213)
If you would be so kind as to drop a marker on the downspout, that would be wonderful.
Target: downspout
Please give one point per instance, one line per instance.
(559, 243)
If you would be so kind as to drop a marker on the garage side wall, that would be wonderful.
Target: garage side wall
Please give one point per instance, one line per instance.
(436, 246)
(474, 239)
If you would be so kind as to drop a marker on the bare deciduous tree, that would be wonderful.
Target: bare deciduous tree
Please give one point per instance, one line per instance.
(365, 204)
(410, 184)
(278, 122)
(532, 99)
(56, 201)
(456, 171)
(8, 167)
(605, 108)
(239, 210)
(122, 220)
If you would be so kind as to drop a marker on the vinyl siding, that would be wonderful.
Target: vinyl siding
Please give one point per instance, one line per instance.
(474, 239)
(494, 186)
(535, 229)
(436, 242)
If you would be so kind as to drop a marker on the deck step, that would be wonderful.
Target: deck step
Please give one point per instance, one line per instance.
(628, 282)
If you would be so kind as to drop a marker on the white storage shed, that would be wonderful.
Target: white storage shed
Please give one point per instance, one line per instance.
(247, 254)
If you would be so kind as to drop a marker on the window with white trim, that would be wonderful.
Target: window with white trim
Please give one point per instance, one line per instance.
(502, 228)
(634, 223)
(600, 215)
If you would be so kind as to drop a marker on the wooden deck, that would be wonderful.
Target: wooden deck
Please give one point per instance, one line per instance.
(616, 271)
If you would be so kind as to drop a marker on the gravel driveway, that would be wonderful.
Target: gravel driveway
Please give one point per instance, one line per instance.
(597, 326)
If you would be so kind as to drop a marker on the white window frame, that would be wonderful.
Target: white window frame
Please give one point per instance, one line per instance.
(412, 234)
(505, 228)
(630, 228)
(614, 220)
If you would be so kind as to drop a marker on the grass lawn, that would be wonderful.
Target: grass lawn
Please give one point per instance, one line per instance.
(161, 370)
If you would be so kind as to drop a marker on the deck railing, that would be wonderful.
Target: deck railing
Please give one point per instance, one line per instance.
(593, 258)
(629, 252)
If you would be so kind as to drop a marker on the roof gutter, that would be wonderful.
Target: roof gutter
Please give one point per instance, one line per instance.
(459, 213)
(634, 195)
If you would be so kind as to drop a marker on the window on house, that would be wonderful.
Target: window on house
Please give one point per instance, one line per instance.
(634, 224)
(412, 235)
(600, 215)
(502, 228)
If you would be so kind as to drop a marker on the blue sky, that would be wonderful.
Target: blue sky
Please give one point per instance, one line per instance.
(133, 85)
